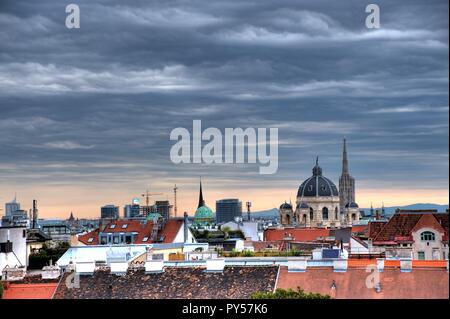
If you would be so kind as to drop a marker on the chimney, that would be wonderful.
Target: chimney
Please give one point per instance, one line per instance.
(377, 214)
(185, 227)
(35, 214)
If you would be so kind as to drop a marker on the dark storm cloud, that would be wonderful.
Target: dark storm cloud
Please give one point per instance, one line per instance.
(98, 104)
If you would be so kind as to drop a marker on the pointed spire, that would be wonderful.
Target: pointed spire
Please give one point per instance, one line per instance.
(344, 159)
(201, 201)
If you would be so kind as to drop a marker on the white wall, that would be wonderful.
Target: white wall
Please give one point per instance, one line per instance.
(179, 238)
(16, 236)
(357, 248)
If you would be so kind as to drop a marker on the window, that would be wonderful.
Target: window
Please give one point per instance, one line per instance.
(145, 239)
(91, 239)
(427, 236)
(421, 255)
(325, 213)
(336, 215)
(112, 226)
(311, 214)
(124, 226)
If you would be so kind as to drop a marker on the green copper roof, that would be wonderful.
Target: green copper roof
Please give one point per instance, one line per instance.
(204, 212)
(153, 216)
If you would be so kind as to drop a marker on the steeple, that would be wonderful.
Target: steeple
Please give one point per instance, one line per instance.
(344, 159)
(201, 201)
(346, 182)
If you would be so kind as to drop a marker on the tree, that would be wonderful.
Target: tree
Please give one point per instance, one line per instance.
(226, 230)
(288, 294)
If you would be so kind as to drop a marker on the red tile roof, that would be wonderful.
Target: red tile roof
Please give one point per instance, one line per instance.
(420, 283)
(297, 234)
(30, 291)
(143, 230)
(401, 225)
(360, 229)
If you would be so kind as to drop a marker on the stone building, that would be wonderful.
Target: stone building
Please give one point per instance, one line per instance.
(319, 202)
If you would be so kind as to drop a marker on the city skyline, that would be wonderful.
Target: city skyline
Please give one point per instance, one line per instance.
(86, 114)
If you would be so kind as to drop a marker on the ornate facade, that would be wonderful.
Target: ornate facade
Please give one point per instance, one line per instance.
(319, 202)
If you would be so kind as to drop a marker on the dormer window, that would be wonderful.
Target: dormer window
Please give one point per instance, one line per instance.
(124, 226)
(112, 226)
(427, 236)
(91, 239)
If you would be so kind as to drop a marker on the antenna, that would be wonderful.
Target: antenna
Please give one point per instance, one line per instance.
(175, 208)
(249, 204)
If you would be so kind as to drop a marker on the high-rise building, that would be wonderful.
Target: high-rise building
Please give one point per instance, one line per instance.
(228, 209)
(12, 207)
(163, 208)
(346, 182)
(110, 211)
(130, 211)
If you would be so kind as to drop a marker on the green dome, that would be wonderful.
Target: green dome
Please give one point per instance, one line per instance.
(204, 213)
(153, 216)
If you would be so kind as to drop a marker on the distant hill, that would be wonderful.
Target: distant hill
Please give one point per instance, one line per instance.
(391, 210)
(272, 213)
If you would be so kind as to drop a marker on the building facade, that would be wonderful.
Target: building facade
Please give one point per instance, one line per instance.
(228, 209)
(110, 212)
(418, 235)
(318, 201)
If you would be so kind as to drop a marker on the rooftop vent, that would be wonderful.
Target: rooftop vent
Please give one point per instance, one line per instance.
(13, 273)
(340, 265)
(119, 268)
(405, 265)
(87, 267)
(297, 265)
(51, 272)
(154, 266)
(215, 265)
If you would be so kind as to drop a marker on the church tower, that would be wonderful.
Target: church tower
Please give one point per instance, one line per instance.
(346, 182)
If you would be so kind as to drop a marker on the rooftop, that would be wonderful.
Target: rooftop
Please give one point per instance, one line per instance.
(173, 283)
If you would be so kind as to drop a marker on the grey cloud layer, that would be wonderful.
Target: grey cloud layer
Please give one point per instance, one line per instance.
(99, 103)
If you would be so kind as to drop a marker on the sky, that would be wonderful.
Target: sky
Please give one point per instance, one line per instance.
(86, 114)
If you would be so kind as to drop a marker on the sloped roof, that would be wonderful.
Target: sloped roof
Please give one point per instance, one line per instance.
(143, 230)
(30, 291)
(401, 225)
(420, 283)
(173, 283)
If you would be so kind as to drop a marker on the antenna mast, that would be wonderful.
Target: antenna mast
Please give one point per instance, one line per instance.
(175, 208)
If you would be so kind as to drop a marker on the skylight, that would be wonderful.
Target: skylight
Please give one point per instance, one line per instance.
(145, 239)
(91, 239)
(112, 226)
(124, 226)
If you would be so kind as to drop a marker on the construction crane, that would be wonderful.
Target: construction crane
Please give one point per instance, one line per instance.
(175, 200)
(147, 195)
